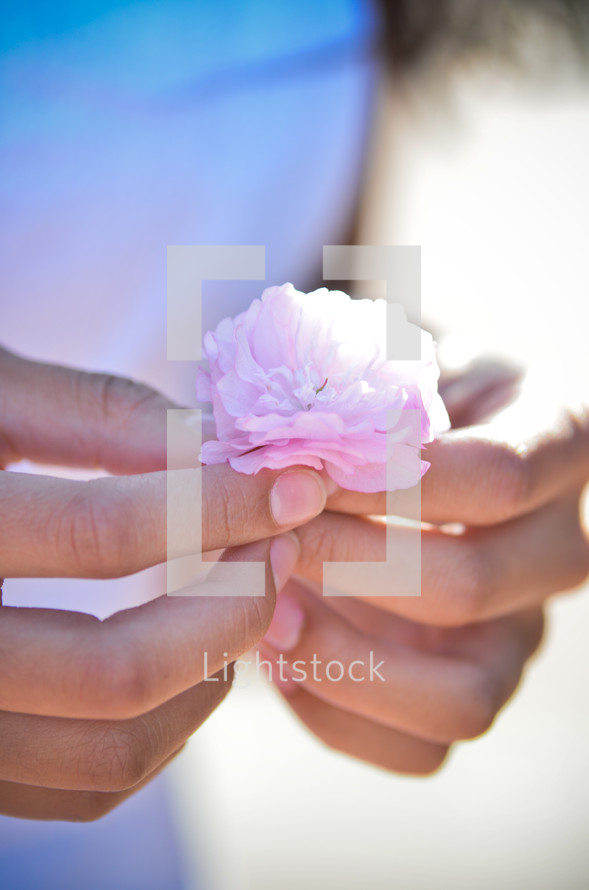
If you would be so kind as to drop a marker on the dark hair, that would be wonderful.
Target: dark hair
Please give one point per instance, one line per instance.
(419, 32)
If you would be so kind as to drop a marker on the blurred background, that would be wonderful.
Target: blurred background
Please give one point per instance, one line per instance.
(486, 168)
(495, 188)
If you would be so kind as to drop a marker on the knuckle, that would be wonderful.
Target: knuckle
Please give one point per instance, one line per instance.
(110, 407)
(119, 758)
(317, 543)
(470, 585)
(430, 761)
(99, 527)
(477, 705)
(120, 397)
(118, 685)
(88, 806)
(227, 512)
(112, 392)
(510, 483)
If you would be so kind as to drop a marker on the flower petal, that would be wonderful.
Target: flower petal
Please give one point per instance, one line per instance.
(304, 379)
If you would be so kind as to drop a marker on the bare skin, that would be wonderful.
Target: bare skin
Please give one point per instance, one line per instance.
(91, 710)
(511, 472)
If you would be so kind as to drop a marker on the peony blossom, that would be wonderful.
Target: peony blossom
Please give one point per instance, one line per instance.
(303, 379)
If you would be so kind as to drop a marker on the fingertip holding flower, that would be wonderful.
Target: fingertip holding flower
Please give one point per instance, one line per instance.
(303, 379)
(296, 497)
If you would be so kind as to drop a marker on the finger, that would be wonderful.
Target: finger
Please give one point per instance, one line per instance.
(102, 755)
(473, 642)
(364, 739)
(60, 415)
(30, 802)
(469, 577)
(481, 475)
(68, 664)
(478, 390)
(115, 526)
(439, 697)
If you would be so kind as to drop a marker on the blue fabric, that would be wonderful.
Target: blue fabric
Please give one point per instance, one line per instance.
(132, 848)
(171, 123)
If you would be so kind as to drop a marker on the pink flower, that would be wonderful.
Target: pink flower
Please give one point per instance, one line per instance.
(303, 379)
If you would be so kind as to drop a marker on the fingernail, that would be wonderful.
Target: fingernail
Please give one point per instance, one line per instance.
(284, 555)
(296, 496)
(284, 632)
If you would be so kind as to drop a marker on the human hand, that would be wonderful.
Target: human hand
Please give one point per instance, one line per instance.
(453, 656)
(91, 710)
(393, 692)
(502, 503)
